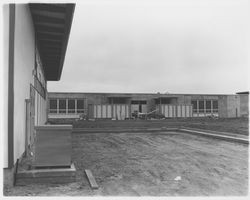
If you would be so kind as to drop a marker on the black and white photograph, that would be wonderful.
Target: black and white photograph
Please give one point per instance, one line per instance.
(125, 98)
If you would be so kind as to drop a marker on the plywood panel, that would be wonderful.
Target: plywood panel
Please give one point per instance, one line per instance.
(118, 111)
(109, 110)
(171, 111)
(52, 147)
(187, 111)
(127, 111)
(166, 110)
(114, 111)
(178, 111)
(99, 110)
(174, 111)
(104, 111)
(123, 112)
(183, 110)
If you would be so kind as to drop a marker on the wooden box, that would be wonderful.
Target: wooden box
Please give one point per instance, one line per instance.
(52, 146)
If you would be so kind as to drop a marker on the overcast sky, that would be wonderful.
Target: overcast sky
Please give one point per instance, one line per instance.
(176, 46)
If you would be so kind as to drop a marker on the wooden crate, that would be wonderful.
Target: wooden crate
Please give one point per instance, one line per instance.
(52, 146)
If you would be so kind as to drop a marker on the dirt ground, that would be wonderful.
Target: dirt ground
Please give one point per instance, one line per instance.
(142, 164)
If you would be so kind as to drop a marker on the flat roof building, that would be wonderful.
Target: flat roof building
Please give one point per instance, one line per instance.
(123, 105)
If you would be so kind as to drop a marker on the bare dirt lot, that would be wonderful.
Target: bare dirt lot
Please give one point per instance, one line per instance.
(140, 164)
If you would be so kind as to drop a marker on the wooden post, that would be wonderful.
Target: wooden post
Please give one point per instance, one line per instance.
(91, 179)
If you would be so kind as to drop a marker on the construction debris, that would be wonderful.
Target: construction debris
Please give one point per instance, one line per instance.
(177, 178)
(91, 179)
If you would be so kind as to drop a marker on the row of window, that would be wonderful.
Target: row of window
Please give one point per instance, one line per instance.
(66, 106)
(205, 106)
(77, 106)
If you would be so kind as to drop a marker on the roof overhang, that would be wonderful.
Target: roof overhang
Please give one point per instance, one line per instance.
(247, 92)
(119, 96)
(166, 97)
(52, 23)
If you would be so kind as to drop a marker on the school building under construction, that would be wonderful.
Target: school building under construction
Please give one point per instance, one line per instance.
(121, 106)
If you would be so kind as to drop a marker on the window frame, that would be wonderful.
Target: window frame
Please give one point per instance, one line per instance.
(62, 110)
(53, 110)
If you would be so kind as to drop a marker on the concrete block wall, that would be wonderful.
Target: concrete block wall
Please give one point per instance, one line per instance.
(187, 100)
(229, 106)
(244, 105)
(180, 100)
(233, 106)
(222, 106)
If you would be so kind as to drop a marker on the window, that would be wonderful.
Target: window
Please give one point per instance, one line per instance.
(53, 106)
(201, 106)
(71, 106)
(208, 106)
(80, 106)
(62, 105)
(194, 103)
(215, 106)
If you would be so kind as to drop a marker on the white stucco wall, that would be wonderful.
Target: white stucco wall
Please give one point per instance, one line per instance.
(24, 64)
(4, 79)
(24, 61)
